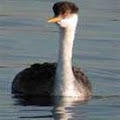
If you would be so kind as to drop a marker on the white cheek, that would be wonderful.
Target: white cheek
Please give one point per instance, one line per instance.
(63, 23)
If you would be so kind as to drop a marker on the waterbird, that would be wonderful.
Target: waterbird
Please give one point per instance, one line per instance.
(61, 78)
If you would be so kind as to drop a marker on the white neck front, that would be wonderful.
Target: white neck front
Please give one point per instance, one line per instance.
(64, 75)
(65, 48)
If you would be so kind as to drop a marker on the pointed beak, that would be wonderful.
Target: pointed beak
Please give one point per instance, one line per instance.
(54, 19)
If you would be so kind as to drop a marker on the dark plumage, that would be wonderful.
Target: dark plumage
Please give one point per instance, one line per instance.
(62, 7)
(38, 80)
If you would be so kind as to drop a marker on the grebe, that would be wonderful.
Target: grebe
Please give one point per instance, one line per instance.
(61, 78)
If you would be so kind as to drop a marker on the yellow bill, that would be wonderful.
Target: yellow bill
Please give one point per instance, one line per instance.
(54, 19)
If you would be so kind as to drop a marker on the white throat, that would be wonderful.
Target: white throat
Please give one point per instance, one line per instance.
(64, 83)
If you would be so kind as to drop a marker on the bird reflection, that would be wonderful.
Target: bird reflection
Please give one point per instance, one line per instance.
(62, 108)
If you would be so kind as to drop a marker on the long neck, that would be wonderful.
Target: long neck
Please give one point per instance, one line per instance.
(64, 73)
(65, 49)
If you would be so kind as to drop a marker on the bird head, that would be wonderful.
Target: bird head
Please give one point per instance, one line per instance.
(65, 14)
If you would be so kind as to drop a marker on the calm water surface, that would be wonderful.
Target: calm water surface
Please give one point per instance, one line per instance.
(26, 38)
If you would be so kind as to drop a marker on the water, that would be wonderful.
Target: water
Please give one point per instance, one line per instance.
(26, 38)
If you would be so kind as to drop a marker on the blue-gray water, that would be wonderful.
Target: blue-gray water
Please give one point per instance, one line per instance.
(26, 38)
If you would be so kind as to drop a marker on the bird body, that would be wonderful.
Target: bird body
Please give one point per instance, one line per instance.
(39, 80)
(60, 79)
